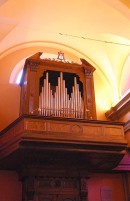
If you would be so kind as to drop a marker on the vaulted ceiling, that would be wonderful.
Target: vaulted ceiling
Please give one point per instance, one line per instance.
(96, 30)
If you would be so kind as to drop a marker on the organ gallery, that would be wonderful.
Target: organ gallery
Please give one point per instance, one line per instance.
(57, 143)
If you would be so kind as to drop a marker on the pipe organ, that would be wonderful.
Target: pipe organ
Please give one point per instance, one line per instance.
(54, 146)
(58, 101)
(57, 89)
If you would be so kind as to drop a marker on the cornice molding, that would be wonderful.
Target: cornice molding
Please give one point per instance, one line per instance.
(120, 109)
(127, 126)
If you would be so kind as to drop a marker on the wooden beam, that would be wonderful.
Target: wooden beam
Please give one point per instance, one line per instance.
(120, 109)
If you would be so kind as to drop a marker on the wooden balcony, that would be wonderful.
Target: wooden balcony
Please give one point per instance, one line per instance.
(92, 145)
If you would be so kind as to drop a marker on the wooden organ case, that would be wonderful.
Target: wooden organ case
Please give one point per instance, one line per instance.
(58, 89)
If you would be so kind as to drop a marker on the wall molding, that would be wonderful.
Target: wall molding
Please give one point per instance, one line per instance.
(120, 109)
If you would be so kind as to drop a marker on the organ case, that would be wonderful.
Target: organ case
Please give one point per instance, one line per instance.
(57, 88)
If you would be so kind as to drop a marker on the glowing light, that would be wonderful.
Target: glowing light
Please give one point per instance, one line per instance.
(103, 100)
(19, 77)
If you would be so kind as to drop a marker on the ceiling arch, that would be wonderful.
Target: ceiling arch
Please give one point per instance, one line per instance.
(49, 47)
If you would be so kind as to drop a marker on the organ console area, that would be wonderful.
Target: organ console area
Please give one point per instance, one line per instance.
(57, 88)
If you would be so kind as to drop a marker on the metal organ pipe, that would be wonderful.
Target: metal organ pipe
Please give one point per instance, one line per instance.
(59, 102)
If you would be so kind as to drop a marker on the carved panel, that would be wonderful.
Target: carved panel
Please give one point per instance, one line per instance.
(113, 133)
(75, 130)
(54, 188)
(54, 126)
(36, 125)
(93, 131)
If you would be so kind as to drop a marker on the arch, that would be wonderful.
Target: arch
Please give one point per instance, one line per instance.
(51, 47)
(16, 71)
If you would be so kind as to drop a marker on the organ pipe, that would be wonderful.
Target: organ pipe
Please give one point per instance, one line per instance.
(59, 102)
